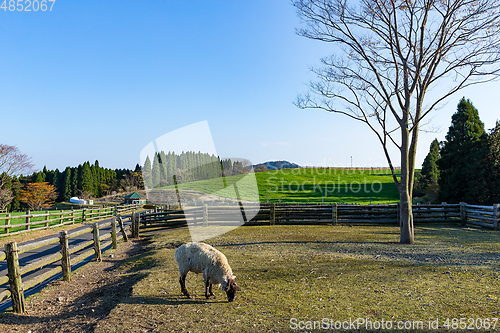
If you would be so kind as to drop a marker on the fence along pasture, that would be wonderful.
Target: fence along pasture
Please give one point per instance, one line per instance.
(485, 216)
(61, 218)
(93, 247)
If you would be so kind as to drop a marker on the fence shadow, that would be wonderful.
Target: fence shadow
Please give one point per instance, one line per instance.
(82, 313)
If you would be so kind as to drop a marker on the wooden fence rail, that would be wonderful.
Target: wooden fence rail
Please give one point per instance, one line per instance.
(90, 248)
(57, 219)
(486, 216)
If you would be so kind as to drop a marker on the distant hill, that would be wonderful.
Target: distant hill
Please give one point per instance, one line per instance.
(275, 165)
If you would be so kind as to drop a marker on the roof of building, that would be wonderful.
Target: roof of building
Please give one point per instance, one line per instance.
(134, 195)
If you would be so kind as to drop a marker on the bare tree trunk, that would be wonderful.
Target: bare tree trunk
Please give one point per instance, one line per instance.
(405, 195)
(406, 219)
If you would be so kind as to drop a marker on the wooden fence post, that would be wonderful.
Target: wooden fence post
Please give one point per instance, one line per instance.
(335, 217)
(132, 225)
(135, 225)
(28, 220)
(463, 214)
(496, 211)
(113, 234)
(83, 215)
(7, 223)
(398, 213)
(120, 223)
(61, 217)
(14, 273)
(205, 215)
(72, 216)
(97, 243)
(272, 214)
(46, 218)
(65, 260)
(444, 212)
(138, 223)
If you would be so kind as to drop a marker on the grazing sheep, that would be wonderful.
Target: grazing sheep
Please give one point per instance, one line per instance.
(199, 257)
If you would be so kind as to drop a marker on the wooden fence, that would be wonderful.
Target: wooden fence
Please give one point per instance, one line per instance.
(485, 216)
(85, 249)
(56, 219)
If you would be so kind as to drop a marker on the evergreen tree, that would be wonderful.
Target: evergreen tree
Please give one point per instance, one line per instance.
(39, 177)
(66, 187)
(493, 162)
(146, 174)
(461, 174)
(55, 182)
(163, 168)
(75, 176)
(15, 204)
(87, 179)
(155, 171)
(171, 167)
(427, 183)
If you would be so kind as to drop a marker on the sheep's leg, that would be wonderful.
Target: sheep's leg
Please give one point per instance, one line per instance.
(207, 284)
(182, 281)
(210, 291)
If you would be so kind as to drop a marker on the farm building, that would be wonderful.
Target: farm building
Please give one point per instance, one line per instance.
(134, 198)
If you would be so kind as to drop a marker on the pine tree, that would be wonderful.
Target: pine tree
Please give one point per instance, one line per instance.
(155, 171)
(39, 177)
(146, 174)
(493, 163)
(427, 183)
(171, 167)
(87, 179)
(55, 182)
(66, 188)
(163, 168)
(15, 204)
(461, 175)
(76, 180)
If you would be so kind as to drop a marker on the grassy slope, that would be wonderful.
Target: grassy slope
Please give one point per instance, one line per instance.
(315, 272)
(309, 185)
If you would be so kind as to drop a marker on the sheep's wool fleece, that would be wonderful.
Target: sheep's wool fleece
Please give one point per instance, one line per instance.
(199, 257)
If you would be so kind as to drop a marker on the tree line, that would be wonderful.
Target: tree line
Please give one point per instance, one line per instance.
(465, 167)
(85, 181)
(169, 168)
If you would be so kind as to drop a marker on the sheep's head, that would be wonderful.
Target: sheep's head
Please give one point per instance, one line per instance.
(231, 290)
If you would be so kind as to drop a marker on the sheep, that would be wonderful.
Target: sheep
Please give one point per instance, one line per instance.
(199, 257)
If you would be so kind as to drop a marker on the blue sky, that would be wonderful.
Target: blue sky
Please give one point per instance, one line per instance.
(102, 79)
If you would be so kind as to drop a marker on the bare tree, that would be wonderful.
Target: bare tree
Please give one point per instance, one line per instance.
(12, 162)
(5, 198)
(389, 54)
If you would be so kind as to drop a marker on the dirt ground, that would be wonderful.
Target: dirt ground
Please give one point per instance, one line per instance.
(78, 305)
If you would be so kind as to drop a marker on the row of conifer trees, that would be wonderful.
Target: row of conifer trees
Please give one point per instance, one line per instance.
(170, 168)
(465, 167)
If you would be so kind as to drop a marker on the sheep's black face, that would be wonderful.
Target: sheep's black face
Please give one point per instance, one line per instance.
(231, 290)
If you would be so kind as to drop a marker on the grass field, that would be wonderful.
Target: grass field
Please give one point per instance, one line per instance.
(307, 185)
(313, 272)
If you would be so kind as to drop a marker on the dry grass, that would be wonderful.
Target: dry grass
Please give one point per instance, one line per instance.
(316, 272)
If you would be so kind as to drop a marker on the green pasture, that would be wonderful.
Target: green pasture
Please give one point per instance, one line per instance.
(21, 220)
(312, 185)
(299, 274)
